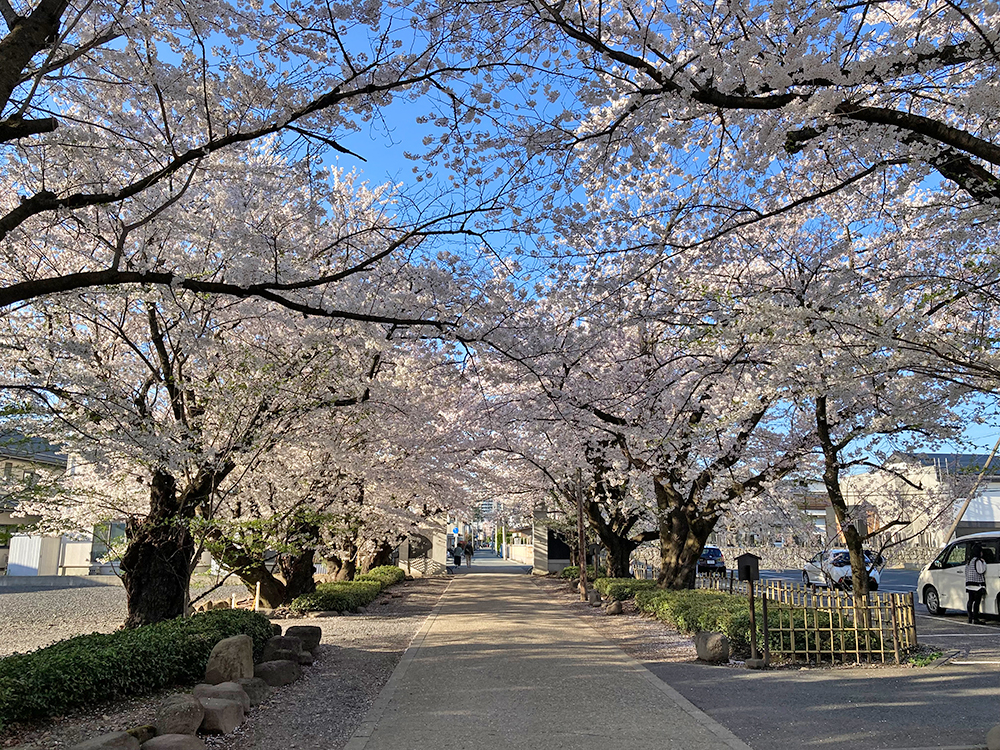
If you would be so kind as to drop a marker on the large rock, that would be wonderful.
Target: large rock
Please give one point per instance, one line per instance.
(256, 689)
(993, 739)
(113, 741)
(304, 658)
(277, 654)
(179, 714)
(230, 691)
(144, 733)
(280, 646)
(278, 673)
(221, 716)
(712, 647)
(614, 608)
(174, 742)
(231, 659)
(310, 635)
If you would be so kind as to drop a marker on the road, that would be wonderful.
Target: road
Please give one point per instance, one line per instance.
(952, 704)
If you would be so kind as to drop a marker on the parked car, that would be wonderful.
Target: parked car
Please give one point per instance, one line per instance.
(941, 584)
(711, 560)
(833, 568)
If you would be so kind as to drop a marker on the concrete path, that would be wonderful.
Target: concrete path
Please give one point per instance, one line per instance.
(496, 665)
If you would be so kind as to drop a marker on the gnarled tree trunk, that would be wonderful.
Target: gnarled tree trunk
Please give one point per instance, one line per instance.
(156, 566)
(683, 533)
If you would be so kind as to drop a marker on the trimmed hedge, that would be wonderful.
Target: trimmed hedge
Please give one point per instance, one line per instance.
(622, 588)
(573, 571)
(386, 575)
(341, 596)
(690, 611)
(90, 669)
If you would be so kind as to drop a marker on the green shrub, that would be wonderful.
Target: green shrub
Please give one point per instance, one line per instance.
(386, 575)
(573, 571)
(100, 667)
(622, 588)
(690, 611)
(338, 595)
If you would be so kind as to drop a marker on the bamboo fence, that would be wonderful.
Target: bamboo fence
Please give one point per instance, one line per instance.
(804, 623)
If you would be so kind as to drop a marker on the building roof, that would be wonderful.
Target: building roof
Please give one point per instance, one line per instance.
(20, 447)
(956, 463)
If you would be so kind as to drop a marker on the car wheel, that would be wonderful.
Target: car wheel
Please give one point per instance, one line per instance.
(805, 578)
(932, 601)
(872, 584)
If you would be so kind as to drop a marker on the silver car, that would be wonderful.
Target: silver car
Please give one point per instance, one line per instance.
(833, 568)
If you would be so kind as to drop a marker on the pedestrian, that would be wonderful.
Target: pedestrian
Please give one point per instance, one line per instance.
(468, 553)
(457, 553)
(975, 581)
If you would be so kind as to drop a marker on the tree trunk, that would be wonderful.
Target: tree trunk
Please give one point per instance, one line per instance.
(156, 566)
(297, 570)
(341, 569)
(683, 534)
(381, 556)
(831, 479)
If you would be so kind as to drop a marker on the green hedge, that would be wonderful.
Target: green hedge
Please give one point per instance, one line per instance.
(100, 667)
(573, 571)
(690, 611)
(339, 595)
(622, 588)
(386, 575)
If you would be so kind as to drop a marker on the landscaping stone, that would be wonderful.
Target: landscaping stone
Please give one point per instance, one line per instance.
(711, 647)
(993, 739)
(276, 628)
(305, 658)
(278, 673)
(231, 659)
(144, 733)
(280, 654)
(614, 608)
(221, 604)
(255, 688)
(361, 611)
(229, 691)
(282, 644)
(179, 714)
(310, 635)
(113, 741)
(594, 597)
(221, 716)
(175, 742)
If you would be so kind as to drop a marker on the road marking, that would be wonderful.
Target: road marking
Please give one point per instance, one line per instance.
(966, 663)
(959, 635)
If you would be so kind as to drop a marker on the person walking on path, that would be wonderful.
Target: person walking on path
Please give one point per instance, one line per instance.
(975, 581)
(468, 553)
(457, 553)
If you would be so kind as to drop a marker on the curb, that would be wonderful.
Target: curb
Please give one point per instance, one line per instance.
(364, 731)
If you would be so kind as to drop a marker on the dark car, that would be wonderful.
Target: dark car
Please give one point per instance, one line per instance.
(711, 560)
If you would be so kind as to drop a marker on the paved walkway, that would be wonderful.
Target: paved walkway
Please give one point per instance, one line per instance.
(496, 665)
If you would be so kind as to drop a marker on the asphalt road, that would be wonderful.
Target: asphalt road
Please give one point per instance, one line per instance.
(952, 704)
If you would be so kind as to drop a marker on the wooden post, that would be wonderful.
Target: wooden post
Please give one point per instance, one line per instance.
(256, 596)
(753, 621)
(895, 626)
(232, 602)
(581, 536)
(767, 646)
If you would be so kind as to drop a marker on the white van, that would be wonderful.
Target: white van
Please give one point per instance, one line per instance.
(941, 585)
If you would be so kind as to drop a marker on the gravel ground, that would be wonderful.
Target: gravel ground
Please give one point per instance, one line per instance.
(32, 617)
(320, 712)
